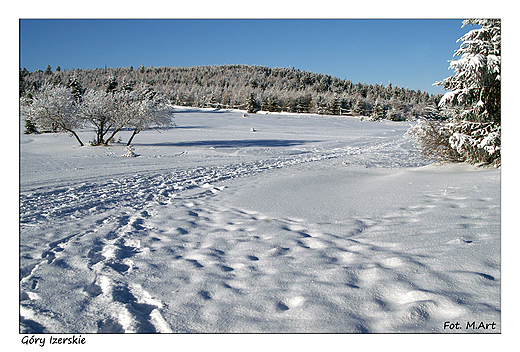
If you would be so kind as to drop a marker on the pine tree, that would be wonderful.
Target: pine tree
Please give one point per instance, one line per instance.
(358, 108)
(127, 85)
(48, 70)
(22, 82)
(273, 104)
(377, 112)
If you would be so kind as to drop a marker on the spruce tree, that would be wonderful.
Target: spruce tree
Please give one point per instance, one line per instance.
(471, 131)
(110, 84)
(127, 85)
(75, 87)
(377, 112)
(333, 106)
(358, 108)
(30, 127)
(273, 104)
(252, 105)
(475, 86)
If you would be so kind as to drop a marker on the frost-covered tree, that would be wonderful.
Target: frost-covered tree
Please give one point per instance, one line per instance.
(394, 114)
(378, 112)
(475, 86)
(358, 107)
(472, 130)
(333, 106)
(230, 86)
(110, 112)
(127, 85)
(252, 104)
(75, 87)
(147, 110)
(97, 109)
(110, 84)
(53, 108)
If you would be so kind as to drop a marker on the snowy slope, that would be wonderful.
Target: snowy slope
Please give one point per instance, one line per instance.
(308, 224)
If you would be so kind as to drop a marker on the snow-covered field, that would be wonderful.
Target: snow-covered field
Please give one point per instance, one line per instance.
(306, 224)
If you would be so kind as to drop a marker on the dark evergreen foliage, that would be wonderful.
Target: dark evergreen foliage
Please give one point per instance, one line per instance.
(30, 127)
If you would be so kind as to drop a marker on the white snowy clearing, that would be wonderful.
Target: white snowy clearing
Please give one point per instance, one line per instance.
(275, 223)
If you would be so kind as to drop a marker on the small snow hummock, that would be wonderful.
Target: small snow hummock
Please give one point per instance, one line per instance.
(130, 153)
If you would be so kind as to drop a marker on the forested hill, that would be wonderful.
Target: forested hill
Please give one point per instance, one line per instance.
(248, 87)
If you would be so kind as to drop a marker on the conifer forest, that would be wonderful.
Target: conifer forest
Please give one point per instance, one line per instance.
(252, 88)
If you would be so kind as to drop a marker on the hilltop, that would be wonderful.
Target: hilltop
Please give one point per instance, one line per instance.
(252, 88)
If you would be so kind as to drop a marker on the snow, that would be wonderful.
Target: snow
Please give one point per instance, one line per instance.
(309, 224)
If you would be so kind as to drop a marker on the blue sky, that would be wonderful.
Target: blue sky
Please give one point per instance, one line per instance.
(409, 53)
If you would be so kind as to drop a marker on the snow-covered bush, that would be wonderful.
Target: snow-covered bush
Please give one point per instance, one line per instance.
(471, 130)
(432, 139)
(472, 142)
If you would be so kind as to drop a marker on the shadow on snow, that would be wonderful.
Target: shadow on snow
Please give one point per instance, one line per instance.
(237, 143)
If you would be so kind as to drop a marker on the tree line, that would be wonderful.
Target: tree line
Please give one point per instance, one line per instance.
(251, 88)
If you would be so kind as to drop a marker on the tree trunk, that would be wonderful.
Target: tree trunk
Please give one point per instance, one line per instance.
(112, 135)
(99, 137)
(136, 131)
(100, 133)
(77, 138)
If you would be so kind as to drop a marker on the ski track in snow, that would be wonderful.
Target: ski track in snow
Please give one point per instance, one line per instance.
(85, 197)
(162, 253)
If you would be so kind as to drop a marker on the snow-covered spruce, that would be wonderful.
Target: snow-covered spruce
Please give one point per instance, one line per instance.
(471, 128)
